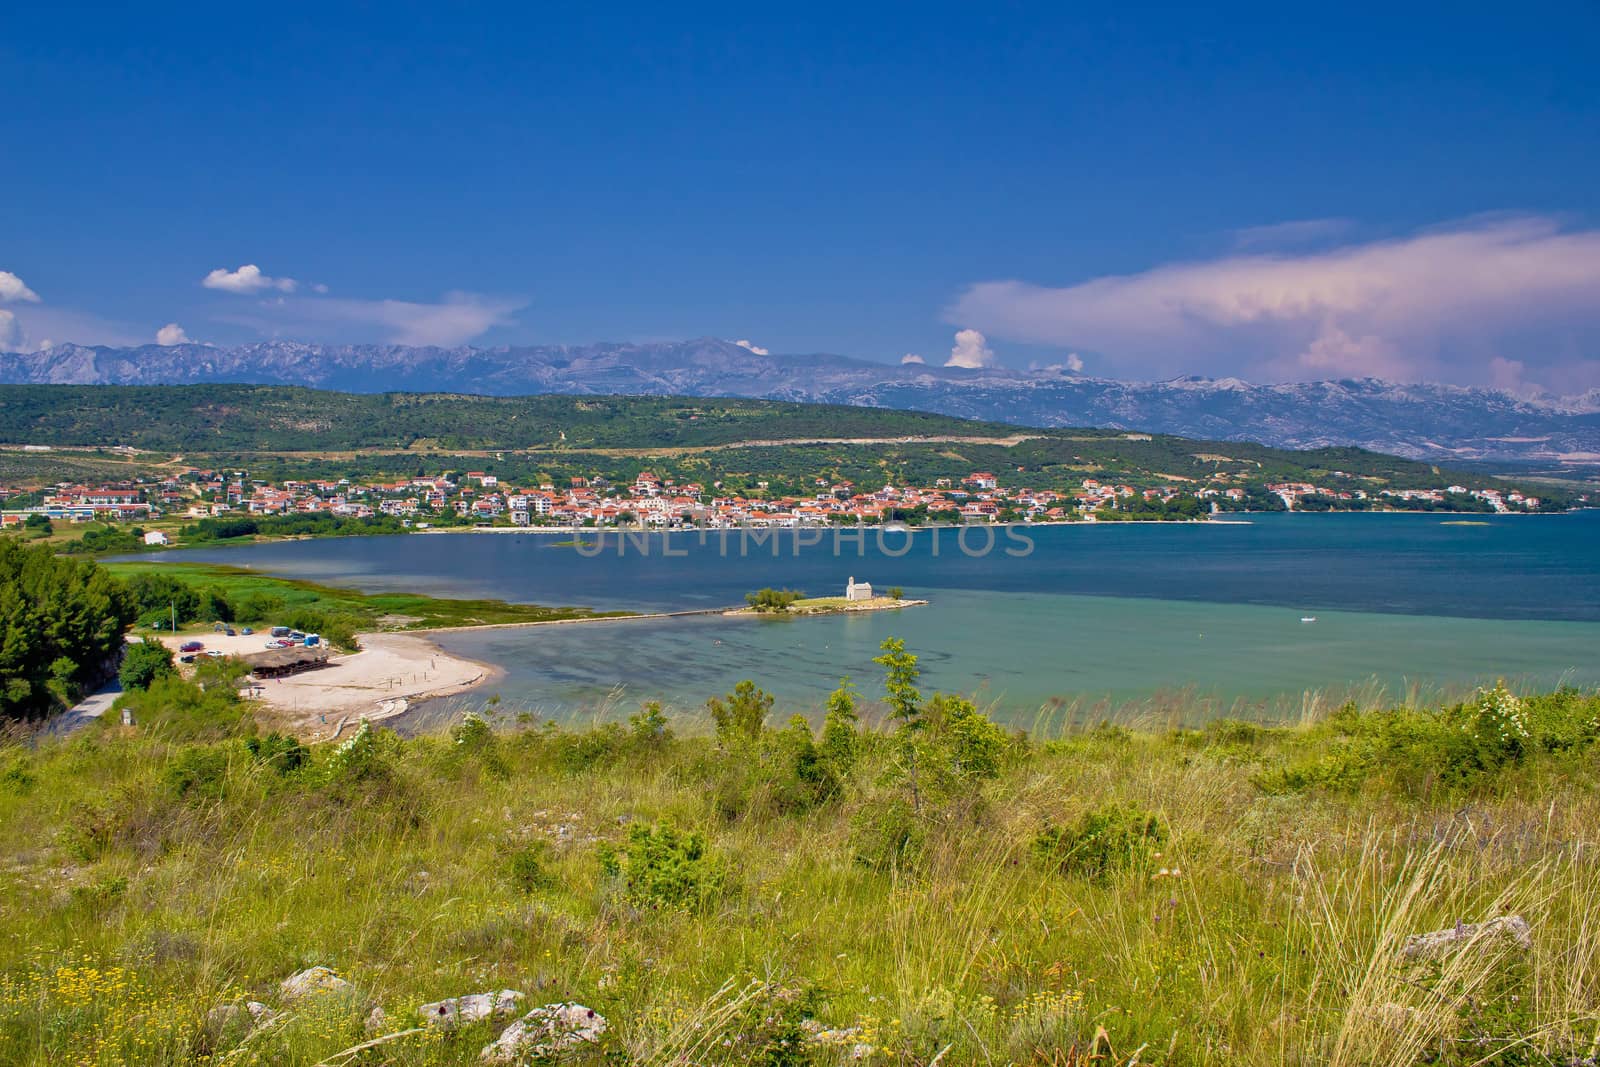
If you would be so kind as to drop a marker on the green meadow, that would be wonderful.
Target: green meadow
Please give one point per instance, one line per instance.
(908, 885)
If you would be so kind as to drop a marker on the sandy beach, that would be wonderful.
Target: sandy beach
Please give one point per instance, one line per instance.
(391, 670)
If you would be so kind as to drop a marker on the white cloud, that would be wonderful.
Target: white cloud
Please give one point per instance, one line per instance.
(33, 327)
(1440, 303)
(455, 320)
(171, 334)
(10, 332)
(247, 279)
(757, 349)
(912, 357)
(1075, 363)
(1290, 234)
(971, 350)
(12, 288)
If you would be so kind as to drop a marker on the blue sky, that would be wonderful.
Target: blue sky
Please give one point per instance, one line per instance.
(1262, 191)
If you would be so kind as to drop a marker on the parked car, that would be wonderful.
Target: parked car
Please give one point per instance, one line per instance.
(186, 659)
(247, 631)
(296, 635)
(215, 653)
(190, 646)
(229, 631)
(280, 631)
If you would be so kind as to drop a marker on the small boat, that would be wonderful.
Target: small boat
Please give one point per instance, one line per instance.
(1308, 618)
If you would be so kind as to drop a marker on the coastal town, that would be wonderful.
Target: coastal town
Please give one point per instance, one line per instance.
(479, 498)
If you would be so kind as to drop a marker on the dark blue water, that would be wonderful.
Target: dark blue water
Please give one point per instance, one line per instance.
(1512, 567)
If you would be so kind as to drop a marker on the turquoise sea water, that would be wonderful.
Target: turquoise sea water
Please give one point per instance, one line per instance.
(1084, 617)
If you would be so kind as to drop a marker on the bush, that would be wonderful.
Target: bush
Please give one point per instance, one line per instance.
(648, 729)
(589, 751)
(282, 754)
(1417, 752)
(199, 771)
(773, 600)
(1108, 839)
(158, 596)
(18, 777)
(888, 834)
(662, 867)
(804, 778)
(1563, 720)
(358, 757)
(179, 710)
(742, 714)
(258, 607)
(527, 868)
(969, 745)
(61, 623)
(841, 740)
(143, 662)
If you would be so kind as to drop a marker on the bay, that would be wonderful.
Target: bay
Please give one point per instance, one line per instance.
(1069, 620)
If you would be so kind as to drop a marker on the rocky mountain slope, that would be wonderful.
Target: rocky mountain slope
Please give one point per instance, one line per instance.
(1420, 421)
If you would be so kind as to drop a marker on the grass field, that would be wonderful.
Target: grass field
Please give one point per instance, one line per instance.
(1241, 895)
(388, 611)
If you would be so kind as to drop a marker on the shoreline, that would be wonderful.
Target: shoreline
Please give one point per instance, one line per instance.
(797, 612)
(392, 670)
(156, 552)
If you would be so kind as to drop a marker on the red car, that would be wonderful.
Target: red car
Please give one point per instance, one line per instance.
(190, 646)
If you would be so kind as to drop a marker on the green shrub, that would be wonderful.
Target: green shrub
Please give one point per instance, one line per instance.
(742, 714)
(18, 776)
(472, 733)
(1417, 752)
(1563, 720)
(179, 710)
(279, 752)
(773, 600)
(1108, 839)
(648, 729)
(589, 751)
(971, 746)
(102, 892)
(888, 834)
(198, 771)
(661, 866)
(358, 757)
(94, 825)
(528, 870)
(841, 738)
(258, 607)
(143, 662)
(802, 778)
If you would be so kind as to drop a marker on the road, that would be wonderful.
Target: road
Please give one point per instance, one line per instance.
(88, 709)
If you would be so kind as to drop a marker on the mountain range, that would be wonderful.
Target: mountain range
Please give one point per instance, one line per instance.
(1420, 421)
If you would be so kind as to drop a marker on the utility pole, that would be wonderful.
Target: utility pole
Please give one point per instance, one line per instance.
(173, 605)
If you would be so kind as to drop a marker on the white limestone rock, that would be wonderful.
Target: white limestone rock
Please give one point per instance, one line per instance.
(474, 1007)
(547, 1032)
(312, 980)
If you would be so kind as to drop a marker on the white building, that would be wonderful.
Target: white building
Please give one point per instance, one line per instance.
(858, 590)
(157, 537)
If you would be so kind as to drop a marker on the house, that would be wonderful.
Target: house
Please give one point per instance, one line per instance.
(855, 590)
(156, 537)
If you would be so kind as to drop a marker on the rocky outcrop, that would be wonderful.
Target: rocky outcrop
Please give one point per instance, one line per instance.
(312, 980)
(474, 1007)
(1496, 931)
(547, 1032)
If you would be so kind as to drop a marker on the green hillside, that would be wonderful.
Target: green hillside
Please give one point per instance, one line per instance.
(284, 432)
(213, 418)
